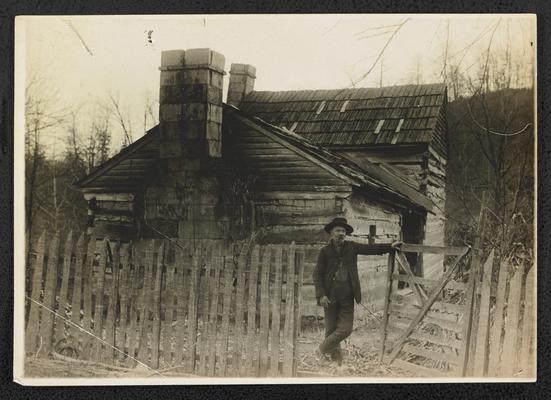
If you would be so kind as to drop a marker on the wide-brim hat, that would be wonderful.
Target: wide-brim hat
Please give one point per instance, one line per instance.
(339, 222)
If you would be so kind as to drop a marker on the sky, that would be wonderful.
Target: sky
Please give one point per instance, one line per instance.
(82, 59)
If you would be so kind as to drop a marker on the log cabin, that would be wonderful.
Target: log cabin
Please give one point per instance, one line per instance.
(278, 165)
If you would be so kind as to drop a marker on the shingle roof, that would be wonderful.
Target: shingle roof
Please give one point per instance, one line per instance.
(417, 105)
(368, 175)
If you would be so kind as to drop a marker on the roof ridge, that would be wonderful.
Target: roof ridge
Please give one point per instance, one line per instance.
(351, 89)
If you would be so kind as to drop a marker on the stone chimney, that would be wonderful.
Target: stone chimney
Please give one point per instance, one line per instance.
(242, 78)
(190, 110)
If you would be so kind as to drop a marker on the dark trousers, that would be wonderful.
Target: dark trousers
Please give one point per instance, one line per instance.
(339, 318)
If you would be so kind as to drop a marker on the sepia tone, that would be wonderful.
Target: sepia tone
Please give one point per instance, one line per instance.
(191, 251)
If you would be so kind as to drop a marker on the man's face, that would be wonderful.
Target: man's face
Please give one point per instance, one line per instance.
(338, 233)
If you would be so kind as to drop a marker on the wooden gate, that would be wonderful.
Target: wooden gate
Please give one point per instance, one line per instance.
(424, 331)
(204, 312)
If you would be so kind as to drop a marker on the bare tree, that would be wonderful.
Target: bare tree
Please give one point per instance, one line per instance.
(123, 118)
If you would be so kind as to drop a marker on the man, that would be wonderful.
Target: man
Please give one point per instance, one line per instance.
(337, 283)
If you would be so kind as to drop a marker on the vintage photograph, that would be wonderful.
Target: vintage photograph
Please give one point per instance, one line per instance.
(275, 198)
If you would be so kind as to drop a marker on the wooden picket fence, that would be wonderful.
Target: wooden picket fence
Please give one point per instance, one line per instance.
(194, 307)
(503, 335)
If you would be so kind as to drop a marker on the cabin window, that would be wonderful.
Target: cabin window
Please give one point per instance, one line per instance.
(343, 108)
(379, 126)
(320, 108)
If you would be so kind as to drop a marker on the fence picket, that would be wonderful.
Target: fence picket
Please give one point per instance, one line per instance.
(213, 313)
(80, 254)
(98, 309)
(264, 314)
(298, 306)
(88, 283)
(480, 359)
(204, 296)
(143, 345)
(192, 313)
(251, 353)
(135, 299)
(288, 345)
(31, 333)
(156, 306)
(508, 363)
(239, 320)
(226, 308)
(168, 301)
(495, 338)
(528, 325)
(60, 325)
(276, 314)
(181, 306)
(124, 280)
(109, 353)
(47, 323)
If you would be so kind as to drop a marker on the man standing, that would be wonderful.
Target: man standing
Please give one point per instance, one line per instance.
(338, 285)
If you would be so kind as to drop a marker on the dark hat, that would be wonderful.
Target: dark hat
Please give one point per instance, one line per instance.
(339, 222)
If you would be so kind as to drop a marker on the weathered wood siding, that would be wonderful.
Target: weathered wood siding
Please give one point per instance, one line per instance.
(372, 269)
(435, 188)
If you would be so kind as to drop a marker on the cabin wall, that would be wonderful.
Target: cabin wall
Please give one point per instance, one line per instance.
(302, 219)
(436, 190)
(387, 223)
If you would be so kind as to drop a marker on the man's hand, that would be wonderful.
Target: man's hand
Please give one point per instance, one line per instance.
(396, 245)
(324, 301)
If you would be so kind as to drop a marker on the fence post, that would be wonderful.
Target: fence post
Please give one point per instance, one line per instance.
(388, 287)
(495, 339)
(481, 354)
(465, 354)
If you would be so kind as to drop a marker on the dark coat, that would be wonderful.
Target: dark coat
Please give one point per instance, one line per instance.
(328, 262)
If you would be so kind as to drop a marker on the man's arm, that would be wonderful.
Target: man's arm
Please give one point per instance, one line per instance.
(372, 249)
(319, 271)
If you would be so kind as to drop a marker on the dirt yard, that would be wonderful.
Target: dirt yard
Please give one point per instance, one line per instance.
(360, 352)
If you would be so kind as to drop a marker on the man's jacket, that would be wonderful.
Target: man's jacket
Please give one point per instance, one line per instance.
(329, 259)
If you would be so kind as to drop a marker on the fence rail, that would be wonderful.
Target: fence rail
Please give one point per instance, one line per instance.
(202, 309)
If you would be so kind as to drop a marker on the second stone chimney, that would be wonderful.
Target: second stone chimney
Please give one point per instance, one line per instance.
(242, 78)
(190, 110)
